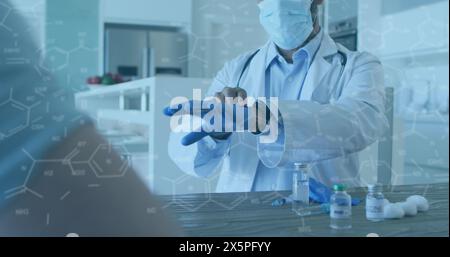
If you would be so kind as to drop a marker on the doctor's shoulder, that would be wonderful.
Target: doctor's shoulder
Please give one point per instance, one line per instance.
(359, 58)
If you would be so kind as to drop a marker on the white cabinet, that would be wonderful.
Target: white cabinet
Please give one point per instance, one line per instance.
(411, 39)
(424, 28)
(147, 12)
(427, 142)
(415, 31)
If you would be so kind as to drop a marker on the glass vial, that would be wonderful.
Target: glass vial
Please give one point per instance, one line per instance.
(300, 189)
(375, 203)
(340, 208)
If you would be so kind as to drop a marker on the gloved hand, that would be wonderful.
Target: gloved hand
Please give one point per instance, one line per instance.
(188, 109)
(234, 95)
(231, 101)
(320, 193)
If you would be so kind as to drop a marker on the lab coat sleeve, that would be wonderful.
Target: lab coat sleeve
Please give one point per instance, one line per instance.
(312, 132)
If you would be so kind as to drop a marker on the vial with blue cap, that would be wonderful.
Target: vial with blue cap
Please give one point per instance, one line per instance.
(300, 189)
(340, 208)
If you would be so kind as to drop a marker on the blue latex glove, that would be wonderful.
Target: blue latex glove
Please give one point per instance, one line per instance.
(193, 137)
(320, 193)
(187, 108)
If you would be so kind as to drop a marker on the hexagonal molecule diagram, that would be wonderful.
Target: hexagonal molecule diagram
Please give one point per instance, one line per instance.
(18, 114)
(105, 164)
(56, 59)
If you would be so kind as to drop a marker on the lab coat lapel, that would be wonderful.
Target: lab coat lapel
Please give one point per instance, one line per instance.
(319, 68)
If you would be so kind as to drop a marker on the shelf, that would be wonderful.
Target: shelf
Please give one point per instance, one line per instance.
(131, 146)
(112, 134)
(126, 116)
(417, 55)
(431, 118)
(132, 88)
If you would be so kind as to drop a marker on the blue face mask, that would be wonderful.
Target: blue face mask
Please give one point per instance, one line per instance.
(288, 22)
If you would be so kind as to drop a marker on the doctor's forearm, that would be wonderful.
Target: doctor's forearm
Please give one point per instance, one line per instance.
(348, 128)
(313, 132)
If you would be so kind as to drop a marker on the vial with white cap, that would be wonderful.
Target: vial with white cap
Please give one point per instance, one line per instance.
(300, 189)
(375, 203)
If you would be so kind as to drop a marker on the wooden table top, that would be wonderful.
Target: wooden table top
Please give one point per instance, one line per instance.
(251, 214)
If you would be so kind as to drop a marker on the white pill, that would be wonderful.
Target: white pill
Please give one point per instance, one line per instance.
(420, 201)
(410, 208)
(393, 211)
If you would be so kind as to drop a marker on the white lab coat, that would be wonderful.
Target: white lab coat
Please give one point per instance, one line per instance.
(339, 113)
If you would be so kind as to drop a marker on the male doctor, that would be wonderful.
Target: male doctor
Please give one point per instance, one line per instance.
(331, 106)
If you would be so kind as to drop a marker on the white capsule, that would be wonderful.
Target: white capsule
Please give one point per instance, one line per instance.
(393, 211)
(420, 201)
(410, 208)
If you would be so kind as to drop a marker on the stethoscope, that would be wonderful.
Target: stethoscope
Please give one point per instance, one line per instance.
(252, 56)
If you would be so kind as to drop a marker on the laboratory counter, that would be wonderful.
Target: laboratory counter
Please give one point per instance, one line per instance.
(251, 214)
